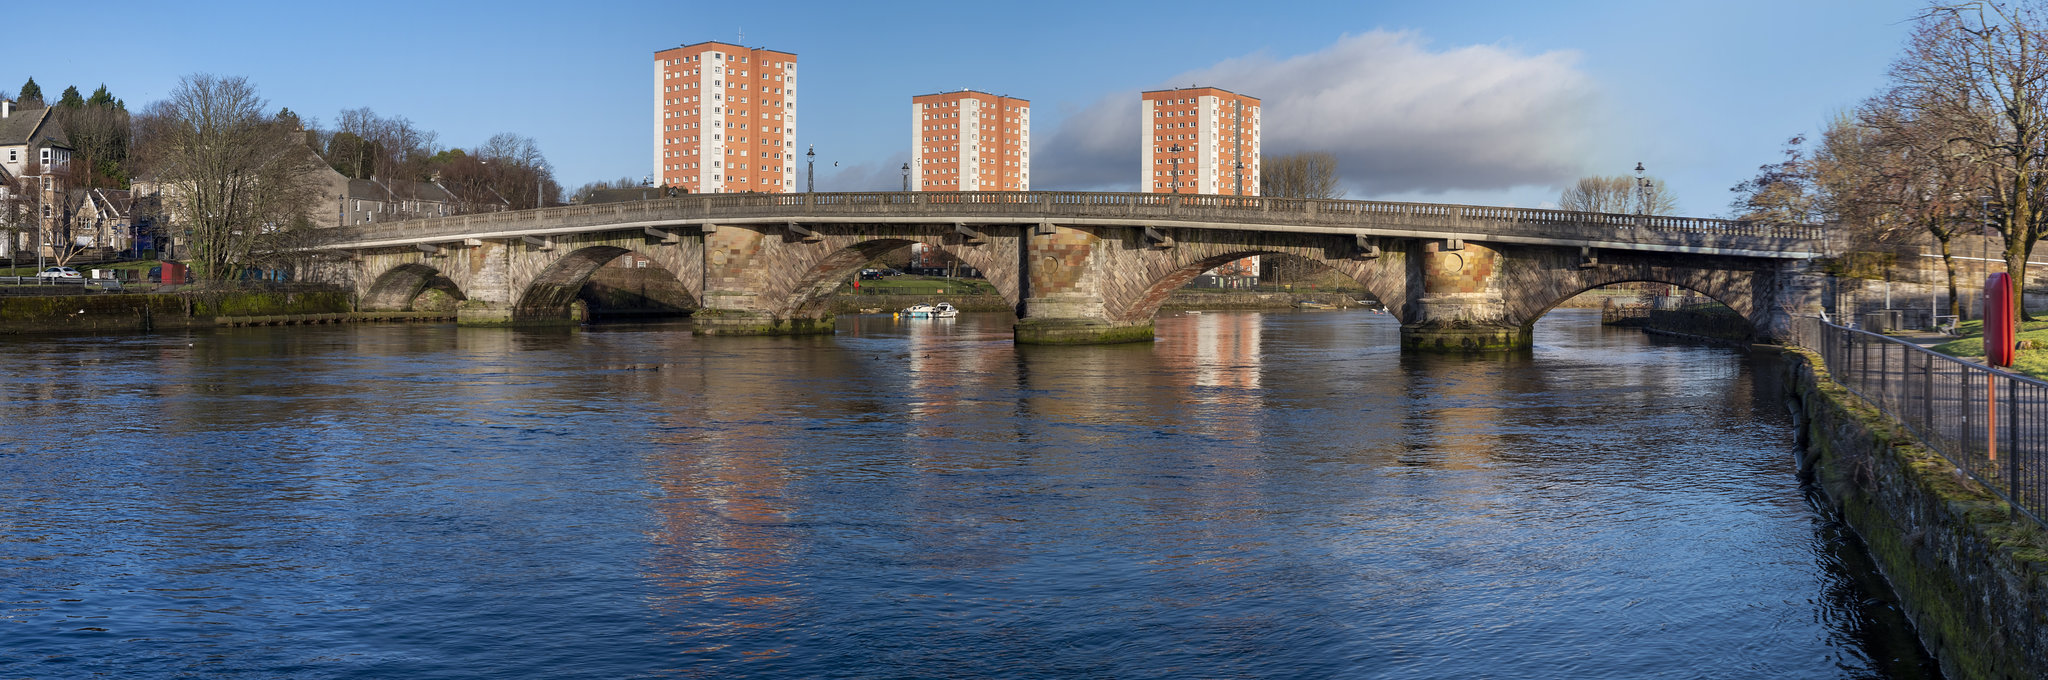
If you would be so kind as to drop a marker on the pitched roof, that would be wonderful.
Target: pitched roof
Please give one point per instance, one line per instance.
(368, 190)
(24, 127)
(418, 191)
(110, 201)
(625, 195)
(398, 190)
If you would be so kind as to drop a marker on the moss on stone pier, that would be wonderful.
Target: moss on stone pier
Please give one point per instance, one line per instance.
(1080, 332)
(1465, 339)
(732, 322)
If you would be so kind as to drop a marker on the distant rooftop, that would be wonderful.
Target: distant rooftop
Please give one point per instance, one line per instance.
(967, 91)
(722, 43)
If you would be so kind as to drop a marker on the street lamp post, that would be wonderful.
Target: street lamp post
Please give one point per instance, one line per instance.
(1983, 242)
(906, 177)
(1175, 150)
(1642, 191)
(1240, 178)
(811, 169)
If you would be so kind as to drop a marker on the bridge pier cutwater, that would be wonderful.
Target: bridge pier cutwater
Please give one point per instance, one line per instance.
(1461, 307)
(737, 283)
(1078, 268)
(1067, 278)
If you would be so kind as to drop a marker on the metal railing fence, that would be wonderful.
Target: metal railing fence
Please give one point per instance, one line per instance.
(1949, 404)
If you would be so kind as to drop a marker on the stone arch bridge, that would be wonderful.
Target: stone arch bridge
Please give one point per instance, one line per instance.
(1077, 267)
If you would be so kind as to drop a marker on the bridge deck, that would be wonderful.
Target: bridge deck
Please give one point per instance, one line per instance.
(1187, 211)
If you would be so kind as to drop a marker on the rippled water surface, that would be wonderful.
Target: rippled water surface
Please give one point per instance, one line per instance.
(1277, 495)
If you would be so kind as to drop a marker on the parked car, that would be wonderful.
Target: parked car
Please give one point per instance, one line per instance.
(60, 273)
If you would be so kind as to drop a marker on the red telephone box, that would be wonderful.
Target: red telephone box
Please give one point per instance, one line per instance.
(2000, 328)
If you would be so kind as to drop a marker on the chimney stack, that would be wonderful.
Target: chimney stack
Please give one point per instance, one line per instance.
(6, 108)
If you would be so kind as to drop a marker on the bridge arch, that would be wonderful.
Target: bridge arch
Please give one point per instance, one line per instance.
(1137, 297)
(1746, 291)
(804, 286)
(400, 289)
(553, 289)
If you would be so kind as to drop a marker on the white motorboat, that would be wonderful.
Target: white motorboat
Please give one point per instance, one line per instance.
(941, 310)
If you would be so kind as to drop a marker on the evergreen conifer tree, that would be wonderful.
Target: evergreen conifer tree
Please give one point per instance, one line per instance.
(31, 95)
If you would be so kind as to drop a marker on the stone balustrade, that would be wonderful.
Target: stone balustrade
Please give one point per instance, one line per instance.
(1376, 218)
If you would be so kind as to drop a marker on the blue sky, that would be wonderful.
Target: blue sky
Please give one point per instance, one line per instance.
(1474, 102)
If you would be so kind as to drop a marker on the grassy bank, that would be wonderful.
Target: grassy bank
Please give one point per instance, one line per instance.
(2032, 362)
(29, 269)
(918, 285)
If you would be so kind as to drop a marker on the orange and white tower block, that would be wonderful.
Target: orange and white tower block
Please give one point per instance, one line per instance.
(1209, 136)
(725, 119)
(970, 141)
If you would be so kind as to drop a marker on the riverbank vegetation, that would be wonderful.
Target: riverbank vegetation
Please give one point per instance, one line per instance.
(236, 181)
(918, 285)
(1952, 143)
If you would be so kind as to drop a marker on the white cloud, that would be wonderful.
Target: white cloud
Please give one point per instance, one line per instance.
(1399, 117)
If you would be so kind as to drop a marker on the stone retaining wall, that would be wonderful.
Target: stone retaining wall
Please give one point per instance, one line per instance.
(1716, 322)
(118, 313)
(1973, 580)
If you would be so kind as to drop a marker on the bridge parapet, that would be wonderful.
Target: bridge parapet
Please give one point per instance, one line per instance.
(1408, 220)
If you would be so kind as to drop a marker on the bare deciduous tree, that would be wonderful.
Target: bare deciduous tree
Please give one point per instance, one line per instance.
(234, 178)
(1618, 194)
(365, 145)
(21, 212)
(1909, 176)
(98, 130)
(583, 193)
(1310, 174)
(1980, 71)
(1781, 192)
(518, 171)
(507, 171)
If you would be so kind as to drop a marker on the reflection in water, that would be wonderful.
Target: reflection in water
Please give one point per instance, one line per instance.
(1253, 495)
(1218, 350)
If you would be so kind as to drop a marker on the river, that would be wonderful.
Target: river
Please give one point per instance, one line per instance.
(1277, 495)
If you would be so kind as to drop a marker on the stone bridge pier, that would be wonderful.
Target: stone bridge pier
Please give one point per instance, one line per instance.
(1461, 304)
